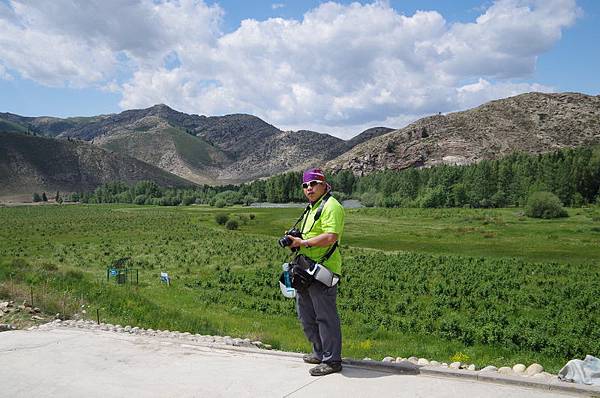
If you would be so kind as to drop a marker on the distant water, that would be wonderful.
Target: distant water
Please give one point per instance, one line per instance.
(348, 204)
(277, 205)
(351, 204)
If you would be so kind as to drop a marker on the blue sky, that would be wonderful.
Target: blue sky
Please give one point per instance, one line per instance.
(337, 67)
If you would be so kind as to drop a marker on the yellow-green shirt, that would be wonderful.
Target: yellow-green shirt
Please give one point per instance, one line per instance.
(331, 221)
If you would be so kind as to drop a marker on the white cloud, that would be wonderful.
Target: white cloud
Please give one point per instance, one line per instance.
(276, 6)
(4, 75)
(475, 94)
(339, 68)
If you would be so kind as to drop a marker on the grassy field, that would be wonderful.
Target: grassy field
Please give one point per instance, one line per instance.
(488, 285)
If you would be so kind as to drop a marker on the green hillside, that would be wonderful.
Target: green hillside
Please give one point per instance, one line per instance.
(10, 127)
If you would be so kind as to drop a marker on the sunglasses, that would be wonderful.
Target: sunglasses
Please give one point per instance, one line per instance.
(311, 183)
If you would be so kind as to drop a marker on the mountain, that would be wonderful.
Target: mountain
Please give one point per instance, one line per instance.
(43, 125)
(213, 150)
(238, 148)
(532, 123)
(367, 135)
(29, 163)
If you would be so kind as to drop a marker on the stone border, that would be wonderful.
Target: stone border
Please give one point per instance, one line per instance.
(403, 367)
(494, 377)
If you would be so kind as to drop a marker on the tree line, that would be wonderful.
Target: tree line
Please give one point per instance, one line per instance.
(571, 174)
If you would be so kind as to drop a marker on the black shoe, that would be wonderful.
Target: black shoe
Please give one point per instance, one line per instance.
(311, 358)
(325, 369)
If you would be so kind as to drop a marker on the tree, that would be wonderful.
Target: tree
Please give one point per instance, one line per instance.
(36, 197)
(544, 205)
(44, 197)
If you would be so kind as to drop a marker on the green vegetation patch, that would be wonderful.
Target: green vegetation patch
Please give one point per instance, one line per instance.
(500, 310)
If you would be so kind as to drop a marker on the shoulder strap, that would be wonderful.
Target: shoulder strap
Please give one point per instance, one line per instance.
(329, 252)
(322, 206)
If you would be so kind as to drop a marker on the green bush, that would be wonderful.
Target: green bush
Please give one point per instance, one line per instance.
(140, 199)
(231, 224)
(221, 218)
(220, 203)
(249, 199)
(36, 197)
(544, 205)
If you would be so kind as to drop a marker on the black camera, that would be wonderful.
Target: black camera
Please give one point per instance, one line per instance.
(285, 241)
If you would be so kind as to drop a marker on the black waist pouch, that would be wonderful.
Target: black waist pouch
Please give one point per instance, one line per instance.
(301, 278)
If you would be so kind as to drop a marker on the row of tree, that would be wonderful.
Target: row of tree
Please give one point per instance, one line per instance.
(571, 174)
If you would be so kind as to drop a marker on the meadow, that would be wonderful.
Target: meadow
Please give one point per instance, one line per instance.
(484, 286)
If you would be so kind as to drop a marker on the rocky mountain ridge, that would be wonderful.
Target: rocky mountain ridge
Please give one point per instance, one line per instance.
(532, 123)
(203, 149)
(238, 148)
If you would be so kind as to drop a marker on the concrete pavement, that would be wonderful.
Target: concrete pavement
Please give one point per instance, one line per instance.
(72, 362)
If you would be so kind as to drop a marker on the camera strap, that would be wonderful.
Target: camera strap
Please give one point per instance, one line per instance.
(317, 214)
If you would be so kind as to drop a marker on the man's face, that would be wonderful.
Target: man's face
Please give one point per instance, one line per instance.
(313, 190)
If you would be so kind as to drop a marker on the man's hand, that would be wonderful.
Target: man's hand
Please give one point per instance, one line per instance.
(296, 242)
(323, 240)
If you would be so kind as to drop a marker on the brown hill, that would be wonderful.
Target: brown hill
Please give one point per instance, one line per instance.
(29, 164)
(532, 123)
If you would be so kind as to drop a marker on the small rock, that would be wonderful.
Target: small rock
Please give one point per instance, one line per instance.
(127, 328)
(388, 359)
(37, 310)
(534, 369)
(455, 365)
(518, 368)
(471, 367)
(413, 360)
(398, 359)
(444, 365)
(489, 368)
(367, 359)
(1, 312)
(505, 370)
(267, 346)
(37, 318)
(434, 363)
(4, 305)
(423, 362)
(542, 376)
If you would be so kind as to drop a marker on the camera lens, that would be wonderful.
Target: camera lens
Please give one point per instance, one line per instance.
(285, 241)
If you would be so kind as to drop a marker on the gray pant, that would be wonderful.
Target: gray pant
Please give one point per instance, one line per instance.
(317, 311)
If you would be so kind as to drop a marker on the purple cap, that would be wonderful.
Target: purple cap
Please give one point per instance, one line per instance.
(313, 174)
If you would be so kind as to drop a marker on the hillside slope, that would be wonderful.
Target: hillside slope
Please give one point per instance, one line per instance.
(29, 164)
(532, 123)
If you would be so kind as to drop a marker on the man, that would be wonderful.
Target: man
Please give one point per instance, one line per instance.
(316, 305)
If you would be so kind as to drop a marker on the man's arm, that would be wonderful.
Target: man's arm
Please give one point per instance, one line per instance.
(323, 240)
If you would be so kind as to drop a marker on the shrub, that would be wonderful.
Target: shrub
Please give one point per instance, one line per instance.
(221, 218)
(252, 216)
(249, 199)
(220, 203)
(368, 199)
(188, 200)
(36, 197)
(231, 224)
(544, 205)
(140, 200)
